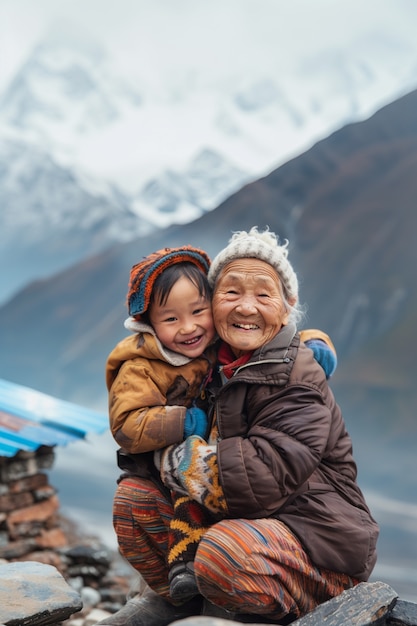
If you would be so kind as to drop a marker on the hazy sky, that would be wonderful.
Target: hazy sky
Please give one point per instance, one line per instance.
(205, 36)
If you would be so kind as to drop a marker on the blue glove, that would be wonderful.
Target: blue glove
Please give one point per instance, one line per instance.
(195, 422)
(324, 355)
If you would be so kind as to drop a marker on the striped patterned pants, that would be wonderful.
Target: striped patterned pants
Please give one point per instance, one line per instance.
(245, 566)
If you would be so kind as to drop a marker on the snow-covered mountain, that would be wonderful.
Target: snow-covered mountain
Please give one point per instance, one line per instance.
(181, 196)
(52, 218)
(65, 89)
(89, 158)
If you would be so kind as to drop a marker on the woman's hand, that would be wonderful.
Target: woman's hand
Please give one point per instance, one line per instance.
(190, 468)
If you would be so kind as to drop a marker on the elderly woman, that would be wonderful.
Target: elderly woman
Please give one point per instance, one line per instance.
(294, 529)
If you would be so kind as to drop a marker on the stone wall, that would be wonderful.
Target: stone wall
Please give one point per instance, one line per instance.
(30, 526)
(32, 530)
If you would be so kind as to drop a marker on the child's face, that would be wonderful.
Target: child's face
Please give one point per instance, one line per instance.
(184, 323)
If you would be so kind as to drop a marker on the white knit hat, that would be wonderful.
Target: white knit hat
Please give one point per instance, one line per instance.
(257, 245)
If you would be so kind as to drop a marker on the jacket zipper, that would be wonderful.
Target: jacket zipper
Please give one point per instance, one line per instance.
(284, 360)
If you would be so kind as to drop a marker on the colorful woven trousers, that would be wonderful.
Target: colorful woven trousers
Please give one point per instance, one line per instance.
(245, 566)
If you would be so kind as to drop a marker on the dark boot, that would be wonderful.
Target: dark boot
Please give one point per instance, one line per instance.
(150, 609)
(182, 582)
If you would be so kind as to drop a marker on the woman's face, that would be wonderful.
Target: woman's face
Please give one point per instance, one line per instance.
(248, 305)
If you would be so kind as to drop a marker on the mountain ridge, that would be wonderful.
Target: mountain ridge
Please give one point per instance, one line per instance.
(185, 146)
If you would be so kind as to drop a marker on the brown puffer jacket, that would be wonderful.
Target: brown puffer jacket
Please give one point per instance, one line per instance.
(284, 452)
(150, 388)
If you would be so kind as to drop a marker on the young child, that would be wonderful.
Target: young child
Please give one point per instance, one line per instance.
(156, 379)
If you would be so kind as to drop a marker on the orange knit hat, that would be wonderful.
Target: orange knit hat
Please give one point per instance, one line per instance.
(144, 273)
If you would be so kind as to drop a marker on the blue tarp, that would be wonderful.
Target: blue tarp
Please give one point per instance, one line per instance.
(30, 419)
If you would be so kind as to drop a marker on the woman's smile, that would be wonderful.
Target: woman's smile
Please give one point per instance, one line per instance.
(248, 305)
(245, 326)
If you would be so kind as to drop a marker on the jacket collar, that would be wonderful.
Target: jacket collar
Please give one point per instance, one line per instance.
(277, 351)
(281, 341)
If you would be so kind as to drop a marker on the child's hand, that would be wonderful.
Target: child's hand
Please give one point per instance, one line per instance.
(195, 422)
(190, 468)
(324, 355)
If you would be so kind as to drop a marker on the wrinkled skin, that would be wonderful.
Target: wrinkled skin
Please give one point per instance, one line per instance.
(248, 304)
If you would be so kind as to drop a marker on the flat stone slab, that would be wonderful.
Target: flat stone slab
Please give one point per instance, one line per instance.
(404, 613)
(367, 604)
(35, 594)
